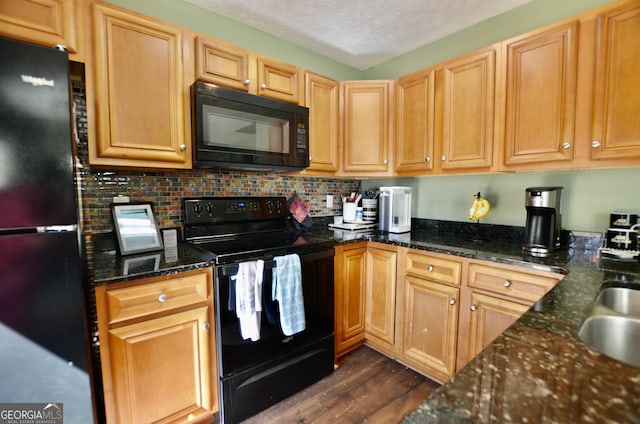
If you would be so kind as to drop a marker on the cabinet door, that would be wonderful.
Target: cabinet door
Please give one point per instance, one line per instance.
(380, 298)
(279, 80)
(616, 122)
(415, 96)
(140, 92)
(541, 69)
(161, 368)
(490, 317)
(322, 99)
(350, 297)
(44, 22)
(430, 326)
(222, 64)
(468, 111)
(366, 127)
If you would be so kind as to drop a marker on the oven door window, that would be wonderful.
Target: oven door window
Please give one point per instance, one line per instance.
(240, 130)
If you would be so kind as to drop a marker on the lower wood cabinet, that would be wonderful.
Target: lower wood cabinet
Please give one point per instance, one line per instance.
(489, 317)
(494, 297)
(431, 311)
(157, 349)
(380, 299)
(430, 326)
(431, 296)
(349, 275)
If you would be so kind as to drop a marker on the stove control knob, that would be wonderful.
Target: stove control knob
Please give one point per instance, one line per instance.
(197, 208)
(209, 208)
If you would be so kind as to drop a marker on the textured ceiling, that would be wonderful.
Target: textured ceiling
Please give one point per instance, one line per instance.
(359, 33)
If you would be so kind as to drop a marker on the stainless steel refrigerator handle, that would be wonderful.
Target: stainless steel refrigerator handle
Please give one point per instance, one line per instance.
(57, 228)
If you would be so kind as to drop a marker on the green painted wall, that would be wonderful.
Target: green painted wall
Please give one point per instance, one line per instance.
(535, 14)
(589, 196)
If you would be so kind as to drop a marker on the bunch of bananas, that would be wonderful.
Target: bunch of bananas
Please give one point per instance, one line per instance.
(479, 208)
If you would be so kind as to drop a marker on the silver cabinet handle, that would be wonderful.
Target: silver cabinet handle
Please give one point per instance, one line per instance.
(384, 161)
(430, 268)
(566, 145)
(183, 147)
(595, 144)
(427, 159)
(263, 85)
(506, 283)
(206, 326)
(473, 308)
(247, 82)
(443, 157)
(162, 298)
(425, 330)
(452, 302)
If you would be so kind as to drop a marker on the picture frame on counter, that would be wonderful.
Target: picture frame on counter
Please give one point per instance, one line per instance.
(136, 228)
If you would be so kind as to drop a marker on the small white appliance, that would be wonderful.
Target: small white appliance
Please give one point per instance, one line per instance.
(395, 209)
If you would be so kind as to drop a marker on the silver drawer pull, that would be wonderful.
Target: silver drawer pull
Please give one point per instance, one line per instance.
(506, 283)
(430, 268)
(452, 302)
(206, 326)
(473, 308)
(162, 298)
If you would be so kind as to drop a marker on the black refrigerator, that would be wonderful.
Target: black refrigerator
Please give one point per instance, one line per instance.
(43, 338)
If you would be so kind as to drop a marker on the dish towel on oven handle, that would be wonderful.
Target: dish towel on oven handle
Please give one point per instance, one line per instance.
(249, 298)
(287, 290)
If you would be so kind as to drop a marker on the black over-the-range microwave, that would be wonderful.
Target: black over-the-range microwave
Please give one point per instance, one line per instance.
(238, 130)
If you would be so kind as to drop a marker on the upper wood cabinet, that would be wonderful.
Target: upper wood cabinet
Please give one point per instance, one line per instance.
(223, 64)
(280, 80)
(141, 100)
(322, 96)
(540, 70)
(231, 66)
(414, 122)
(366, 127)
(616, 100)
(44, 22)
(467, 101)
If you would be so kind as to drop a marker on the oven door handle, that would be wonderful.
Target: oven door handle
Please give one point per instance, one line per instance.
(232, 269)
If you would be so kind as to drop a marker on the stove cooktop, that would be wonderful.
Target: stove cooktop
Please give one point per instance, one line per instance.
(242, 228)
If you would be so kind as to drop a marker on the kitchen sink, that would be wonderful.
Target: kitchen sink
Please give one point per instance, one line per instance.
(623, 300)
(616, 336)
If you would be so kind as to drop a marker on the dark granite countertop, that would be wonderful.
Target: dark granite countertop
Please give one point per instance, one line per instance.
(536, 371)
(109, 267)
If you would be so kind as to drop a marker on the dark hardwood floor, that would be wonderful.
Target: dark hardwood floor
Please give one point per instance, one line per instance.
(367, 387)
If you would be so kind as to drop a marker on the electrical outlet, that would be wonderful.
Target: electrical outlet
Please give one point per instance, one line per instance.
(329, 201)
(121, 199)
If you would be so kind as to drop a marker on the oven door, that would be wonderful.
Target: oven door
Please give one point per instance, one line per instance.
(236, 354)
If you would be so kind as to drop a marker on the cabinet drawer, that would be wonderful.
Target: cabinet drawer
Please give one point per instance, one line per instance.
(519, 285)
(156, 296)
(433, 268)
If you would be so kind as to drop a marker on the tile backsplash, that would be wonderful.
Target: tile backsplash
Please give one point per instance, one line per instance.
(167, 188)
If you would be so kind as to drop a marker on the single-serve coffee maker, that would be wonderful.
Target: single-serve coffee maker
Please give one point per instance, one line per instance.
(544, 220)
